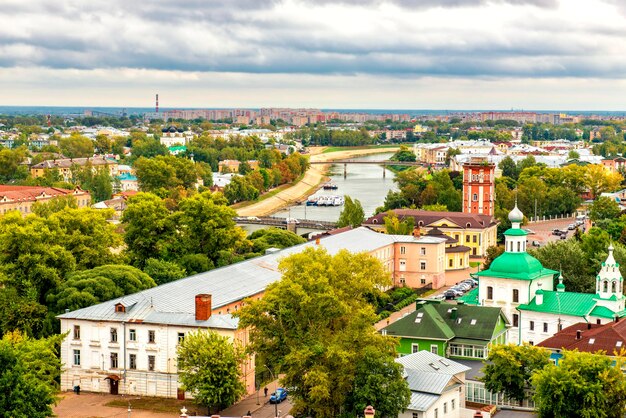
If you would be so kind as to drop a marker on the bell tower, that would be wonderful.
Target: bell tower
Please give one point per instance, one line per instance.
(479, 186)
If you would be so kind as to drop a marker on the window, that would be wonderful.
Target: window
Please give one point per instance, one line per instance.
(467, 238)
(151, 362)
(456, 236)
(474, 197)
(151, 336)
(416, 415)
(445, 407)
(515, 320)
(114, 360)
(402, 250)
(77, 332)
(519, 246)
(452, 405)
(132, 361)
(415, 348)
(402, 265)
(120, 308)
(132, 335)
(531, 325)
(613, 287)
(422, 250)
(76, 357)
(436, 413)
(181, 337)
(474, 238)
(422, 281)
(515, 295)
(489, 292)
(545, 327)
(434, 349)
(605, 286)
(451, 262)
(113, 335)
(422, 265)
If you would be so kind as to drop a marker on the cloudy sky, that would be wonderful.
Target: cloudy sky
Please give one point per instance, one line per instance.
(402, 54)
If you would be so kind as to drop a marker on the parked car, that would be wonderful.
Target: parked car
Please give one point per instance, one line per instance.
(450, 294)
(278, 396)
(470, 282)
(457, 291)
(571, 227)
(556, 232)
(536, 244)
(291, 220)
(563, 236)
(529, 231)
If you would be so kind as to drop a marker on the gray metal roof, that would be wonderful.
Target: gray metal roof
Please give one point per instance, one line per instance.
(174, 303)
(426, 361)
(428, 382)
(421, 401)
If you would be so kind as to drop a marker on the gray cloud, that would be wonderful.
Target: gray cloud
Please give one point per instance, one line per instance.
(282, 36)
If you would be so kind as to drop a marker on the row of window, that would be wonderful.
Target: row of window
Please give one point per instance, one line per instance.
(403, 265)
(415, 347)
(422, 250)
(132, 335)
(451, 262)
(114, 363)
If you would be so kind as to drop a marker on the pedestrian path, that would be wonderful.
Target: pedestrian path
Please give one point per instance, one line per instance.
(252, 402)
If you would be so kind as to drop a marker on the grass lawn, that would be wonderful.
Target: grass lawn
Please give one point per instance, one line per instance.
(172, 406)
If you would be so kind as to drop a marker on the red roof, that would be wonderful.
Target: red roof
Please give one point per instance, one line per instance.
(22, 193)
(428, 217)
(590, 338)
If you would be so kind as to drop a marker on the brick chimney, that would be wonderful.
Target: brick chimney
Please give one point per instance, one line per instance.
(203, 307)
(416, 232)
(579, 334)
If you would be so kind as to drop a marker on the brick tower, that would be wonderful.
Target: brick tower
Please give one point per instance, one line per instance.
(479, 186)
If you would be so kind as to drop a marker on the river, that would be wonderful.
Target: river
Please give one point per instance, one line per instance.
(364, 182)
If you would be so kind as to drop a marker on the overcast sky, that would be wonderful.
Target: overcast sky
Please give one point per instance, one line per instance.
(402, 54)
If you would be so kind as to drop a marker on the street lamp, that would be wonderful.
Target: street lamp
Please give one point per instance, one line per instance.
(369, 412)
(275, 390)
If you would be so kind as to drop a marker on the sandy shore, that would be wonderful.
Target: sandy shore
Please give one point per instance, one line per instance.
(310, 182)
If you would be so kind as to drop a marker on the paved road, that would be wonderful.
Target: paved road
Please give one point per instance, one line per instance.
(269, 411)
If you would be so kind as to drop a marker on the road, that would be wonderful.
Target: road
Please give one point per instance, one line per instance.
(269, 411)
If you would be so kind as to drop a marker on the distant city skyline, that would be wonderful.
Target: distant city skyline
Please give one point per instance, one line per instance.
(380, 54)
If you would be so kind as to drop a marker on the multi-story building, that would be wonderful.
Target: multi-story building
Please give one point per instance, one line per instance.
(172, 136)
(476, 231)
(479, 186)
(22, 198)
(64, 166)
(128, 344)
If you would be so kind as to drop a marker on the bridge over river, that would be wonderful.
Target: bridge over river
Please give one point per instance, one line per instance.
(383, 163)
(302, 227)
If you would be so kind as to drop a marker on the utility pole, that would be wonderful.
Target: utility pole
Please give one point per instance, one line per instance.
(535, 209)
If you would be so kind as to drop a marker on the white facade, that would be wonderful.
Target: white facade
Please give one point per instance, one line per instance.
(447, 406)
(142, 356)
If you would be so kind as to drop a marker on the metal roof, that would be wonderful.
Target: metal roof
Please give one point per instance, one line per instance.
(428, 382)
(421, 401)
(424, 361)
(174, 303)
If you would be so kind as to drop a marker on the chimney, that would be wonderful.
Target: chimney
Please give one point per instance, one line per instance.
(453, 313)
(203, 307)
(317, 241)
(579, 334)
(616, 318)
(416, 232)
(588, 325)
(539, 295)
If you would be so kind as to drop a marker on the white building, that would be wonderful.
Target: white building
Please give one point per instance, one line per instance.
(518, 283)
(172, 136)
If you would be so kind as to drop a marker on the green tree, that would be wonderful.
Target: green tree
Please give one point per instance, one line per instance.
(89, 287)
(209, 366)
(163, 271)
(352, 213)
(394, 226)
(604, 208)
(404, 154)
(568, 257)
(323, 362)
(583, 385)
(30, 369)
(493, 252)
(56, 204)
(76, 146)
(573, 155)
(508, 167)
(10, 168)
(273, 238)
(509, 368)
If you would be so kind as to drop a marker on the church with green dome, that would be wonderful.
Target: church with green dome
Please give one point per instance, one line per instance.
(518, 283)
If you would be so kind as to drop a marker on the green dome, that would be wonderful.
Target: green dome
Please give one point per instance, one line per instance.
(539, 292)
(515, 263)
(560, 286)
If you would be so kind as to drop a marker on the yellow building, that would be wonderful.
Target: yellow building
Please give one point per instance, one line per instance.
(64, 166)
(22, 198)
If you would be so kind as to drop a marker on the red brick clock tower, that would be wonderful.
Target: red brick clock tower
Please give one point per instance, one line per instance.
(479, 186)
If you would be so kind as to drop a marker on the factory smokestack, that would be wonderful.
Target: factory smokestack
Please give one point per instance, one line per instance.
(157, 103)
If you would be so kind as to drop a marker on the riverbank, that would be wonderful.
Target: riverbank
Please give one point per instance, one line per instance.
(310, 182)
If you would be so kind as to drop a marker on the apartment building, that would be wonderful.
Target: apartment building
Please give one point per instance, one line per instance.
(22, 198)
(65, 165)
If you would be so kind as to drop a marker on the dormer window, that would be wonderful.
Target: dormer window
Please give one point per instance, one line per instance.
(120, 308)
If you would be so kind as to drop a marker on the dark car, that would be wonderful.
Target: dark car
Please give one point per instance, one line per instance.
(278, 396)
(450, 294)
(556, 232)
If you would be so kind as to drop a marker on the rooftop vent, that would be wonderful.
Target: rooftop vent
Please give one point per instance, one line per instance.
(473, 322)
(592, 340)
(434, 366)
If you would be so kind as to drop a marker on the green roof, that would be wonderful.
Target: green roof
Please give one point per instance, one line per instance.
(515, 232)
(471, 297)
(476, 322)
(602, 312)
(564, 303)
(178, 148)
(521, 266)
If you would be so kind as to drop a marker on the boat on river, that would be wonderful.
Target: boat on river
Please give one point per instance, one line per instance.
(330, 186)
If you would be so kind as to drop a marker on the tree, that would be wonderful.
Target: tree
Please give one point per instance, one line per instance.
(509, 368)
(404, 154)
(508, 167)
(314, 326)
(352, 213)
(604, 208)
(394, 226)
(573, 155)
(209, 366)
(493, 252)
(273, 238)
(10, 168)
(163, 271)
(568, 257)
(598, 180)
(56, 204)
(28, 375)
(583, 385)
(76, 146)
(89, 287)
